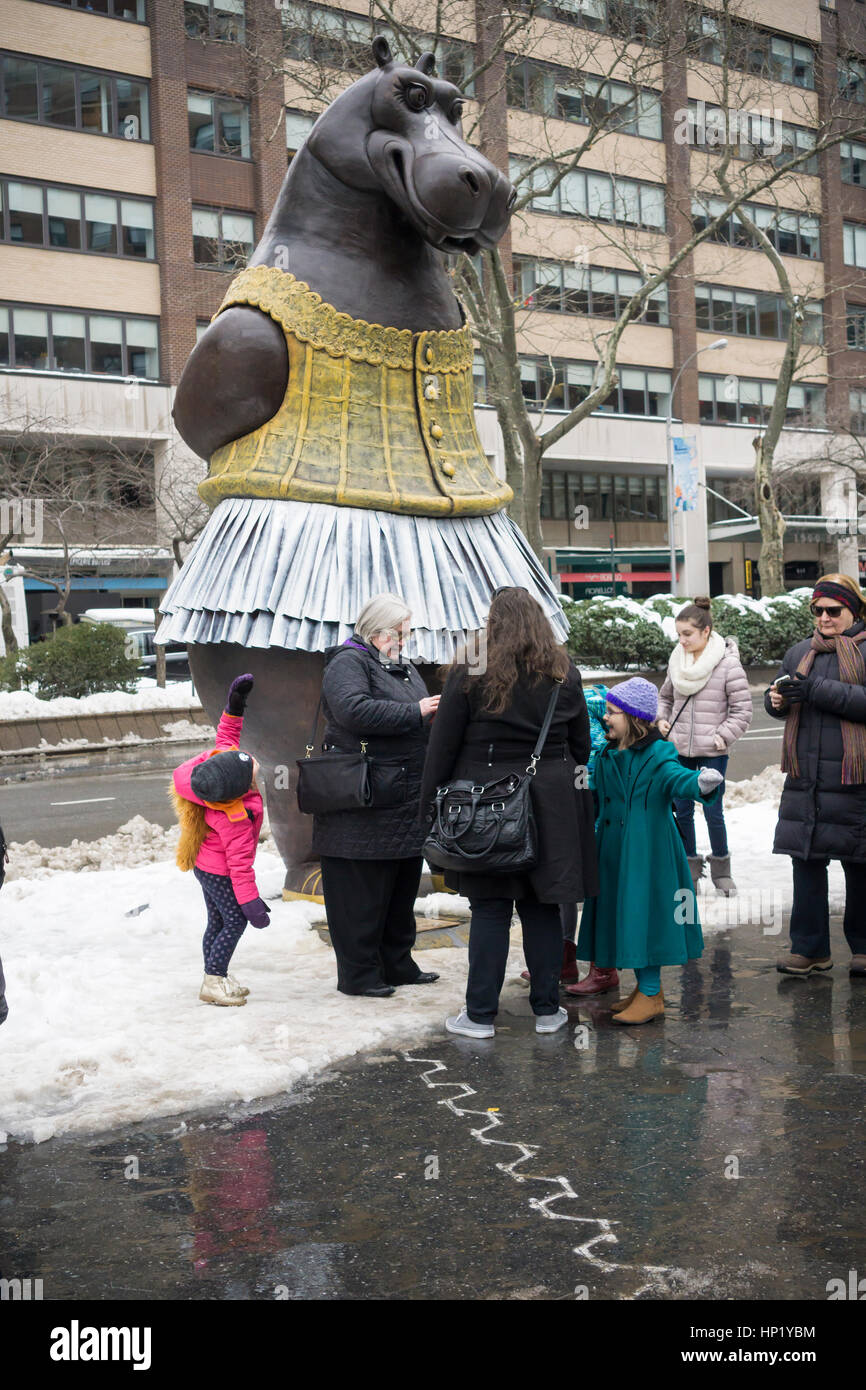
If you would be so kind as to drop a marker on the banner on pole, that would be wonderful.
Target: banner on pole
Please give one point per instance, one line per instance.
(685, 473)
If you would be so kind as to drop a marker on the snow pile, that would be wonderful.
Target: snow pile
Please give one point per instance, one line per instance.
(22, 704)
(137, 842)
(186, 732)
(639, 608)
(105, 1026)
(765, 786)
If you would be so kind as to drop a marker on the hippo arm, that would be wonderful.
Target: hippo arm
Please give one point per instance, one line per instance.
(234, 381)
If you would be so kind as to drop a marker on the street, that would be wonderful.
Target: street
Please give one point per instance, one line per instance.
(85, 805)
(714, 1155)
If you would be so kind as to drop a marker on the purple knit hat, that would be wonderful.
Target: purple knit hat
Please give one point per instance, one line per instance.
(636, 697)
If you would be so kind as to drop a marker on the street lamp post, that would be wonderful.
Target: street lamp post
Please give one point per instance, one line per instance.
(711, 347)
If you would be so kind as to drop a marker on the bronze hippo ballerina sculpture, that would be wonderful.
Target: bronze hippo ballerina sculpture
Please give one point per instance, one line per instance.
(332, 396)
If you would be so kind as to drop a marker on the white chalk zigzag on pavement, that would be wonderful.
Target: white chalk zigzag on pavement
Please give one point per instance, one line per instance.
(659, 1279)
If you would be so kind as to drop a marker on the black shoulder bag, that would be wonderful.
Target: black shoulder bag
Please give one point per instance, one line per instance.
(488, 828)
(332, 781)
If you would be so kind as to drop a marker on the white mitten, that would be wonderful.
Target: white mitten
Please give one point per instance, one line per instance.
(709, 777)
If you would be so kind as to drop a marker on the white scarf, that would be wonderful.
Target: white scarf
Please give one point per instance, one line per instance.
(690, 672)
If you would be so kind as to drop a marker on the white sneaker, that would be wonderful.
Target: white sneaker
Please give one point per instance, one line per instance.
(551, 1023)
(216, 989)
(462, 1023)
(236, 987)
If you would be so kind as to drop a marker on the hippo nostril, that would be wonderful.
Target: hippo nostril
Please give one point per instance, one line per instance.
(471, 180)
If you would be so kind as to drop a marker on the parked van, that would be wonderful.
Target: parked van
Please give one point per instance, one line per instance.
(138, 624)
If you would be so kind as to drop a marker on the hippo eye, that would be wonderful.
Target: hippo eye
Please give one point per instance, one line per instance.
(457, 110)
(417, 97)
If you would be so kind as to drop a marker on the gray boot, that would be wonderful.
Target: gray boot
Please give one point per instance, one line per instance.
(720, 869)
(696, 865)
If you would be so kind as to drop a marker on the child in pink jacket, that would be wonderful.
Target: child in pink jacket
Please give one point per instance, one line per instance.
(220, 811)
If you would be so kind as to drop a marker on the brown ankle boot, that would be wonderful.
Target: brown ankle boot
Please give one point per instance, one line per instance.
(642, 1009)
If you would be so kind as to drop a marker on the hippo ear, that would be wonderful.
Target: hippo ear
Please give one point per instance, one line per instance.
(426, 64)
(381, 51)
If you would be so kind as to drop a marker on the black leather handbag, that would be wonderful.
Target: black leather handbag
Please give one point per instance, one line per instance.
(340, 780)
(488, 828)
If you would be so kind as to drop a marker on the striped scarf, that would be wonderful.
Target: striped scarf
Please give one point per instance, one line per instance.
(852, 671)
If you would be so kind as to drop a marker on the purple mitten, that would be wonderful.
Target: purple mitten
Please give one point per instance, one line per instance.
(238, 692)
(256, 912)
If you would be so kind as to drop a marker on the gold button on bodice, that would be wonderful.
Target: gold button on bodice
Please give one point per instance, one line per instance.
(436, 431)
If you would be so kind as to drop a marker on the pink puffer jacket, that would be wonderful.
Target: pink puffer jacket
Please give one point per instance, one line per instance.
(230, 846)
(723, 706)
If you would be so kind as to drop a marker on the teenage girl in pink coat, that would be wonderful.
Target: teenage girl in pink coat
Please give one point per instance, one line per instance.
(220, 811)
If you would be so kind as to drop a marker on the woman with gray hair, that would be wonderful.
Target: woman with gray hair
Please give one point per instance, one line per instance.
(371, 856)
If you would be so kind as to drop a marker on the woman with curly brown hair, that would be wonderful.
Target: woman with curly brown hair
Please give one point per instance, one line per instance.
(488, 720)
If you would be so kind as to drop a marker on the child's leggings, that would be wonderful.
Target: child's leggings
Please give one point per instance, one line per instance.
(649, 980)
(225, 921)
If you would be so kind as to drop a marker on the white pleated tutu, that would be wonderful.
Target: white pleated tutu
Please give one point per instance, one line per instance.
(296, 575)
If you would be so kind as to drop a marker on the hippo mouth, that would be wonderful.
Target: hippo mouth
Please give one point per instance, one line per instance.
(391, 158)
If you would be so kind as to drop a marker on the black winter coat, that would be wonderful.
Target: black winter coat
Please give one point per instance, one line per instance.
(468, 743)
(364, 697)
(818, 817)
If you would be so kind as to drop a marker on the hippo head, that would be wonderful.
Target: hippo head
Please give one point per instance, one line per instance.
(398, 129)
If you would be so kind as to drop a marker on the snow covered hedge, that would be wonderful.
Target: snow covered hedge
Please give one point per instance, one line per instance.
(624, 632)
(75, 661)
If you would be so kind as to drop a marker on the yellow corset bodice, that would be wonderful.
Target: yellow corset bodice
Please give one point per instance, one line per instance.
(372, 417)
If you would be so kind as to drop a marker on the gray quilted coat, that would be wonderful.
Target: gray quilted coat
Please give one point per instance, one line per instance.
(723, 706)
(366, 698)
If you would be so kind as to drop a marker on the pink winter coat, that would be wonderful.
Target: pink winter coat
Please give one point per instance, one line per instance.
(722, 706)
(229, 848)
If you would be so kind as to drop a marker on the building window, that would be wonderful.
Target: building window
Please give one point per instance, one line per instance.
(562, 288)
(791, 233)
(854, 243)
(852, 79)
(626, 497)
(75, 98)
(857, 406)
(34, 214)
(752, 314)
(298, 126)
(201, 327)
(479, 379)
(597, 196)
(218, 125)
(131, 10)
(753, 50)
(855, 324)
(748, 134)
(581, 97)
(215, 19)
(74, 340)
(735, 400)
(222, 240)
(563, 385)
(853, 159)
(342, 40)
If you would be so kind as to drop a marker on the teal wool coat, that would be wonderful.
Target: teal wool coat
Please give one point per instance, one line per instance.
(639, 917)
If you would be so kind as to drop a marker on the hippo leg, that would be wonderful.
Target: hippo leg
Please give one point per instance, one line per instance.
(276, 728)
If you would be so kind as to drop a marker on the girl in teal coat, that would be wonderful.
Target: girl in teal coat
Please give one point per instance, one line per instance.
(645, 915)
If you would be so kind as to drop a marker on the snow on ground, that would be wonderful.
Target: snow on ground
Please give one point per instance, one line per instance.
(103, 970)
(21, 704)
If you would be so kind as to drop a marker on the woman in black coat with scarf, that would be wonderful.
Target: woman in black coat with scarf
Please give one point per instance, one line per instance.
(822, 813)
(486, 727)
(371, 857)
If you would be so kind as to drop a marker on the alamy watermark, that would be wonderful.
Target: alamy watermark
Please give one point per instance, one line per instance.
(711, 127)
(761, 907)
(24, 517)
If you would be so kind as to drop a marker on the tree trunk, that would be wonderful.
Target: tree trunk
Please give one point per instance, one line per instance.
(160, 655)
(532, 502)
(9, 638)
(772, 523)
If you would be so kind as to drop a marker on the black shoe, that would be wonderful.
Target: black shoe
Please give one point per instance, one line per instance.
(380, 992)
(426, 977)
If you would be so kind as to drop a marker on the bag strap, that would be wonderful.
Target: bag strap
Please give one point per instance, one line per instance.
(679, 712)
(545, 728)
(311, 741)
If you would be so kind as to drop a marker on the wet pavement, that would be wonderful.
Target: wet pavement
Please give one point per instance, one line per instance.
(716, 1155)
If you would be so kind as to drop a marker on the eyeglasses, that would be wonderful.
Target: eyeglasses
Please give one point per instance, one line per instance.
(830, 610)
